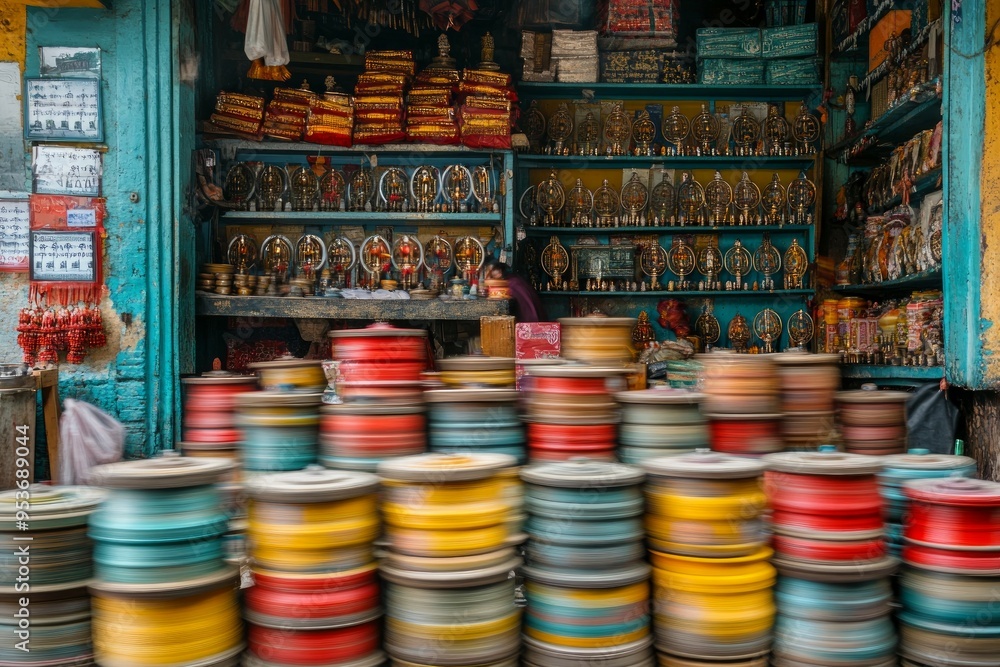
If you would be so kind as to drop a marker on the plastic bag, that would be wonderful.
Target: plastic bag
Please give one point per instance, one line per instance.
(88, 437)
(931, 420)
(266, 33)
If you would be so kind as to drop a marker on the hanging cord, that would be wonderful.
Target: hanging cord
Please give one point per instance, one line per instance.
(991, 40)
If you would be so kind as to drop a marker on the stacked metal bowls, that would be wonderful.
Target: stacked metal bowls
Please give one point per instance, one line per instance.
(316, 595)
(586, 580)
(449, 569)
(712, 579)
(950, 586)
(742, 403)
(659, 422)
(808, 385)
(873, 422)
(163, 593)
(44, 606)
(834, 593)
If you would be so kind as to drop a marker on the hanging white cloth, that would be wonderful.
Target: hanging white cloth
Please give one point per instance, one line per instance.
(266, 33)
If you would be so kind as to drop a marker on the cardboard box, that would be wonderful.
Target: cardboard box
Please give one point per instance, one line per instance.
(893, 23)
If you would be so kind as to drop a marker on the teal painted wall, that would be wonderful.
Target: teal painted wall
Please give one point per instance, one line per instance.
(145, 45)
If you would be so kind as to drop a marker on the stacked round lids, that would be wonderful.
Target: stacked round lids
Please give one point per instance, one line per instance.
(571, 411)
(477, 372)
(827, 518)
(360, 435)
(209, 411)
(657, 422)
(873, 422)
(742, 403)
(808, 385)
(475, 420)
(280, 429)
(449, 590)
(291, 375)
(315, 598)
(916, 464)
(159, 557)
(952, 553)
(379, 360)
(597, 339)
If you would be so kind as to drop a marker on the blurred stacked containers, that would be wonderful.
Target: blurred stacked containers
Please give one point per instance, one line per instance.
(713, 600)
(315, 599)
(742, 403)
(833, 592)
(449, 569)
(808, 385)
(587, 585)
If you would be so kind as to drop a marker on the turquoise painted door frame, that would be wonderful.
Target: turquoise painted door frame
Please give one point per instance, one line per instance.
(149, 128)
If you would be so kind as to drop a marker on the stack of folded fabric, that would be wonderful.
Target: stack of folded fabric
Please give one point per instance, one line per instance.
(286, 113)
(430, 111)
(487, 103)
(575, 55)
(239, 114)
(378, 97)
(331, 118)
(536, 50)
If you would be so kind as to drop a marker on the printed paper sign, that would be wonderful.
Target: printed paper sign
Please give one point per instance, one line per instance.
(14, 233)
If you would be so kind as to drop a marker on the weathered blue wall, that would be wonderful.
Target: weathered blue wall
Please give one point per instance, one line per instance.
(134, 377)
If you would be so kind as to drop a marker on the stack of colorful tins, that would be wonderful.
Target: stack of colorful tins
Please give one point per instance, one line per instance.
(597, 339)
(833, 592)
(712, 594)
(210, 414)
(383, 413)
(163, 595)
(477, 372)
(449, 571)
(873, 422)
(950, 585)
(742, 403)
(808, 385)
(475, 420)
(44, 607)
(901, 468)
(657, 422)
(587, 582)
(571, 411)
(280, 430)
(299, 376)
(315, 599)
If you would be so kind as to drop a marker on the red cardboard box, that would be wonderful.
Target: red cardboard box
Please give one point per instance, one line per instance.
(537, 340)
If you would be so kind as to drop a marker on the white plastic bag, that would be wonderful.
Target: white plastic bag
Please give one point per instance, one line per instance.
(266, 33)
(88, 436)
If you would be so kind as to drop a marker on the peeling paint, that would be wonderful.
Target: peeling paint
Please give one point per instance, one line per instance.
(989, 285)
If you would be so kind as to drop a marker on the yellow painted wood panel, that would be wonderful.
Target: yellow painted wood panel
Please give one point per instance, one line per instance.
(990, 206)
(12, 32)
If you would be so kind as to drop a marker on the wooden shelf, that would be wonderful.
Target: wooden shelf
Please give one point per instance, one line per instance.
(868, 372)
(665, 91)
(691, 293)
(803, 162)
(247, 148)
(365, 217)
(347, 309)
(729, 229)
(923, 280)
(921, 110)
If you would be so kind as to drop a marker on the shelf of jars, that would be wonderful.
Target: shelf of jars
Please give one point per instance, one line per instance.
(664, 91)
(216, 305)
(919, 109)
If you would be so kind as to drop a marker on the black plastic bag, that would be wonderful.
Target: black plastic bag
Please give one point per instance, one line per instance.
(931, 420)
